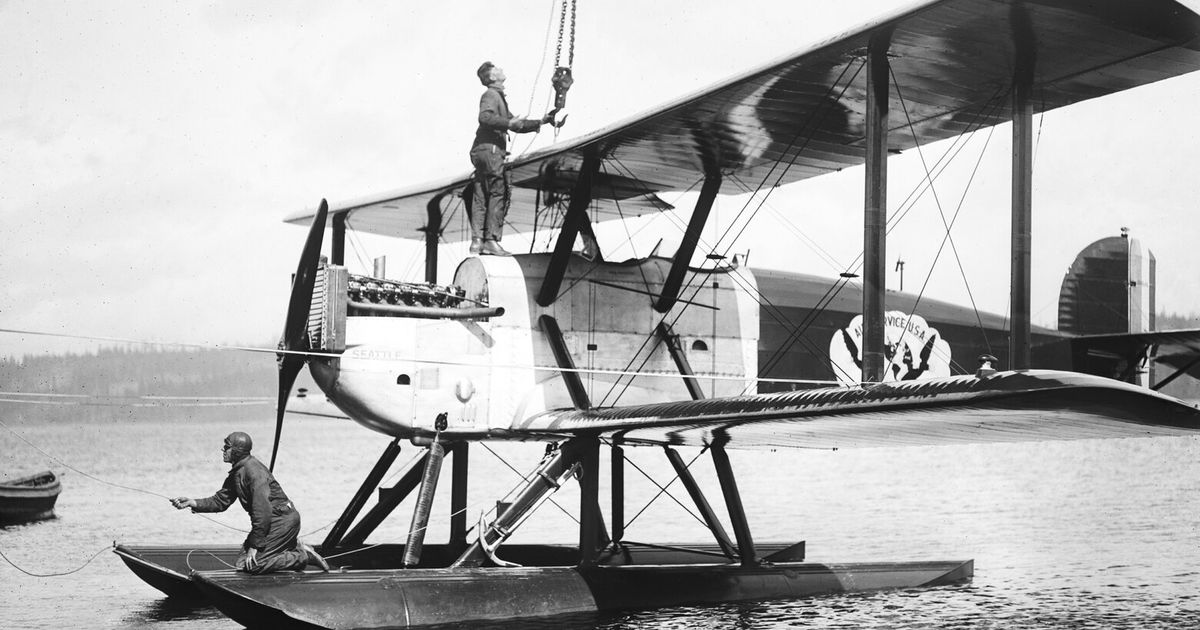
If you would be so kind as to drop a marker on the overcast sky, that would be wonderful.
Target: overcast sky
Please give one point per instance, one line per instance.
(148, 152)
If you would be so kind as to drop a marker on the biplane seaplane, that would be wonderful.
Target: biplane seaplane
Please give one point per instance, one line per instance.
(657, 353)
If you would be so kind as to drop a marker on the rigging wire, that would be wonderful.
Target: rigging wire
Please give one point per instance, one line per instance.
(736, 275)
(777, 314)
(937, 202)
(781, 175)
(791, 143)
(942, 215)
(664, 489)
(537, 77)
(910, 201)
(525, 478)
(941, 247)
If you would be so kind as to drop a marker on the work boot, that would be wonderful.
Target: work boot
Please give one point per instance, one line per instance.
(476, 245)
(492, 248)
(314, 557)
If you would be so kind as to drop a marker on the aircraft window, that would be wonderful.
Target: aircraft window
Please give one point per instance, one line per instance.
(699, 345)
(403, 379)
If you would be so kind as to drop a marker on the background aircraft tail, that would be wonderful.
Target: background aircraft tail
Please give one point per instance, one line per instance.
(1108, 292)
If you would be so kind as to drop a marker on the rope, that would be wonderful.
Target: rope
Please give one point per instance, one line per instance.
(60, 574)
(104, 481)
(188, 559)
(542, 63)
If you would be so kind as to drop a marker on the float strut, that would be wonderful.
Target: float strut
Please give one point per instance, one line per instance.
(733, 500)
(389, 498)
(360, 498)
(617, 477)
(706, 511)
(547, 479)
(458, 495)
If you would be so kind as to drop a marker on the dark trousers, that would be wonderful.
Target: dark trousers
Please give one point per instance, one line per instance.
(490, 194)
(280, 551)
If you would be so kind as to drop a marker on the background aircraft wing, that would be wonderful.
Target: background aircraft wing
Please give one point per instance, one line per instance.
(952, 63)
(1114, 354)
(1025, 406)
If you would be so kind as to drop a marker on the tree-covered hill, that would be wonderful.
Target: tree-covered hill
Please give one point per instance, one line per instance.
(120, 383)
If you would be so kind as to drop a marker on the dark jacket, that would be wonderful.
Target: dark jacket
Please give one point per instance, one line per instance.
(252, 484)
(495, 121)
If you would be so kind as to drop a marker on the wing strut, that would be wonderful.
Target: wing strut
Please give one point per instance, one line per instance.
(433, 232)
(575, 388)
(581, 198)
(875, 209)
(1019, 340)
(338, 245)
(671, 340)
(389, 498)
(683, 256)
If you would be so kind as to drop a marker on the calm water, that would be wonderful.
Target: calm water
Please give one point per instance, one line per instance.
(1092, 534)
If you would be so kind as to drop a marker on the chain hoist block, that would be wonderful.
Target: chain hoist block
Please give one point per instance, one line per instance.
(562, 81)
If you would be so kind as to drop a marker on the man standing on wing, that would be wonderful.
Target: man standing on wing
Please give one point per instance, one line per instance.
(491, 188)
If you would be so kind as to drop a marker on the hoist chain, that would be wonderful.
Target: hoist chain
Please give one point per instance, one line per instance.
(571, 50)
(562, 27)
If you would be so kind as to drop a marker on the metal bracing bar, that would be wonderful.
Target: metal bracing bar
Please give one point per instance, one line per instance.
(591, 522)
(458, 494)
(706, 511)
(733, 501)
(671, 340)
(388, 500)
(617, 474)
(875, 209)
(433, 231)
(581, 198)
(386, 459)
(338, 246)
(420, 517)
(547, 479)
(1131, 369)
(1180, 372)
(691, 237)
(558, 345)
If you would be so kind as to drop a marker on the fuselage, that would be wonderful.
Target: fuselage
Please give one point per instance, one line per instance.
(397, 373)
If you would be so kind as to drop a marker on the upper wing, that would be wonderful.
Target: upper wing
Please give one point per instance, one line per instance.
(952, 62)
(1022, 406)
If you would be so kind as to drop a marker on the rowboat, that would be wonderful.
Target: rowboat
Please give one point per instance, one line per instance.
(29, 498)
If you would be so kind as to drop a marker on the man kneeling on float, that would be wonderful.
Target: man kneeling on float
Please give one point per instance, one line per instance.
(273, 543)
